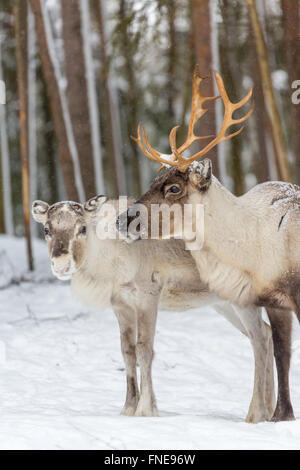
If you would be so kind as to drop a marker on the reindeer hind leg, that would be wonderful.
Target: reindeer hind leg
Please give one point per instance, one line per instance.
(281, 324)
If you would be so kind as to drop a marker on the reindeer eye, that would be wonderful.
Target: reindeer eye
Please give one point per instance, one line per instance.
(174, 189)
(46, 231)
(82, 231)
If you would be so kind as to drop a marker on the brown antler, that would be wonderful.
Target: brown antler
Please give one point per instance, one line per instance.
(196, 113)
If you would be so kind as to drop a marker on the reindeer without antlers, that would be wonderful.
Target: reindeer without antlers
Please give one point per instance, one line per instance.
(251, 249)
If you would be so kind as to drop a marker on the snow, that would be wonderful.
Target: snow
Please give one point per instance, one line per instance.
(62, 382)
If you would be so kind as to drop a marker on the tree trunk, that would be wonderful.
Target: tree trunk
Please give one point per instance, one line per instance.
(131, 94)
(272, 109)
(291, 27)
(230, 71)
(32, 138)
(2, 223)
(171, 9)
(261, 161)
(63, 148)
(113, 126)
(93, 103)
(5, 166)
(77, 94)
(202, 41)
(20, 15)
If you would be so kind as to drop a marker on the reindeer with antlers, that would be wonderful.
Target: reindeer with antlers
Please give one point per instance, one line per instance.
(251, 248)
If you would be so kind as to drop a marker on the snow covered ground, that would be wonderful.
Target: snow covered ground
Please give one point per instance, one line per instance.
(62, 379)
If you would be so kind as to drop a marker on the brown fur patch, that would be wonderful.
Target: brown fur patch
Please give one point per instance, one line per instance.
(285, 295)
(156, 195)
(78, 251)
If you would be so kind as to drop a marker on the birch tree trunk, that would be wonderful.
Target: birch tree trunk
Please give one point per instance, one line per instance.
(202, 40)
(32, 140)
(20, 16)
(272, 109)
(291, 27)
(56, 105)
(77, 94)
(171, 9)
(2, 223)
(113, 124)
(223, 174)
(93, 104)
(5, 165)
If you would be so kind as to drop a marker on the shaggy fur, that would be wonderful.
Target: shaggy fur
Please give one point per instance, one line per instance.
(251, 250)
(136, 280)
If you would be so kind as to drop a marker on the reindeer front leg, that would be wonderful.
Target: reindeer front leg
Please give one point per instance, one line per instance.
(145, 354)
(259, 333)
(236, 318)
(147, 305)
(127, 323)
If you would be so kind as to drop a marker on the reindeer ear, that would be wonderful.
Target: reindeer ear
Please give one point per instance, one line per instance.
(39, 211)
(200, 174)
(94, 203)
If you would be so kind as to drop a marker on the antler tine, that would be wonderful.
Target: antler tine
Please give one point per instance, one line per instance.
(153, 152)
(178, 159)
(197, 111)
(228, 121)
(139, 141)
(149, 151)
(231, 107)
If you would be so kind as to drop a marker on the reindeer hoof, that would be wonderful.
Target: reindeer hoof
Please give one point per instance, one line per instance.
(283, 415)
(257, 417)
(150, 411)
(128, 410)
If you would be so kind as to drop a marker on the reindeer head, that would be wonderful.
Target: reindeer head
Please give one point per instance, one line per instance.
(66, 228)
(160, 212)
(184, 177)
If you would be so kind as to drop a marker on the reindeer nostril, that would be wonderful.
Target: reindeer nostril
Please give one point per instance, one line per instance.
(59, 250)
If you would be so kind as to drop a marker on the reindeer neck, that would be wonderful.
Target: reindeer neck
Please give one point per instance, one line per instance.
(100, 253)
(228, 225)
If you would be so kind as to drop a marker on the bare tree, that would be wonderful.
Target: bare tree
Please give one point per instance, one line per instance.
(272, 109)
(32, 117)
(232, 74)
(113, 125)
(203, 48)
(7, 209)
(262, 126)
(20, 15)
(93, 103)
(77, 93)
(171, 15)
(63, 145)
